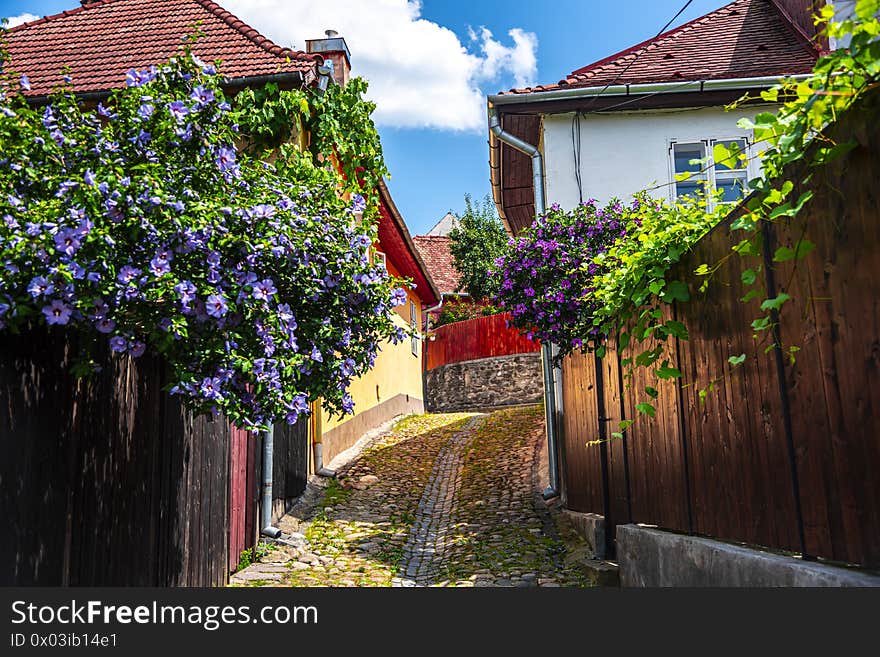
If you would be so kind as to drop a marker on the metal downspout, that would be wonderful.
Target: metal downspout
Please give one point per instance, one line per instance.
(546, 349)
(268, 465)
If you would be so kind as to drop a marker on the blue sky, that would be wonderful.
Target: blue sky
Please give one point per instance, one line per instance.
(430, 65)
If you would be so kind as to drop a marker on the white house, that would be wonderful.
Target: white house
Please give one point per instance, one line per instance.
(635, 119)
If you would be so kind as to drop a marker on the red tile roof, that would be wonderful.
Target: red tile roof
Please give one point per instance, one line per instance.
(105, 38)
(438, 259)
(744, 39)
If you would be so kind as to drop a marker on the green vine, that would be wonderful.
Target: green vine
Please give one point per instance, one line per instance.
(334, 126)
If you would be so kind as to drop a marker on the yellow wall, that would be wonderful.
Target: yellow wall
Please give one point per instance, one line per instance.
(396, 372)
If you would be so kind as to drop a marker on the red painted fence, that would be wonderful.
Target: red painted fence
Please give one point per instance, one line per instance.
(483, 337)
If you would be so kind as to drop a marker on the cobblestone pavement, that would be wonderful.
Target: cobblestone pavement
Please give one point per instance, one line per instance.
(441, 500)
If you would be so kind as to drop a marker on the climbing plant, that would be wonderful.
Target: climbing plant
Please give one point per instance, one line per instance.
(143, 225)
(576, 278)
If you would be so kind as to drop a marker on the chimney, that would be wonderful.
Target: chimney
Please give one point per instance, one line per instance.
(333, 48)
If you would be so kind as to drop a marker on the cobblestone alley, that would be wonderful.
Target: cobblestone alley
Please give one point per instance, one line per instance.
(440, 500)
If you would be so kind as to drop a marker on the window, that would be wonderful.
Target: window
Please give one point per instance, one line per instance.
(414, 325)
(693, 174)
(379, 260)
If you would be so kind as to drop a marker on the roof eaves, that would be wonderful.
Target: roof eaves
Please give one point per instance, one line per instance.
(407, 238)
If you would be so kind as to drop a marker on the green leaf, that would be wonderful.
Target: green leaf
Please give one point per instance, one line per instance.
(646, 409)
(666, 372)
(652, 392)
(751, 294)
(600, 352)
(749, 277)
(737, 360)
(626, 424)
(802, 248)
(762, 324)
(676, 291)
(775, 303)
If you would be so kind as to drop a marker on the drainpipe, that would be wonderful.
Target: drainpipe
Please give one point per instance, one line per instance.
(266, 507)
(427, 311)
(546, 349)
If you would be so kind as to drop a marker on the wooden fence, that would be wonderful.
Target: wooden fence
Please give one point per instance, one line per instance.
(781, 454)
(482, 337)
(109, 481)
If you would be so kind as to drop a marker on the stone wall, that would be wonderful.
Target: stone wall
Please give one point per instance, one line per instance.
(485, 383)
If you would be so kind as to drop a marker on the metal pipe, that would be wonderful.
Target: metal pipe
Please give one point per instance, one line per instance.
(635, 89)
(266, 506)
(546, 349)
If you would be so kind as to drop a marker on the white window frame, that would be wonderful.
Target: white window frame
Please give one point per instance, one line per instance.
(414, 325)
(710, 175)
(380, 259)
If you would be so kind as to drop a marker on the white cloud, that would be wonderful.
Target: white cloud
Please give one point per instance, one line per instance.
(12, 21)
(420, 73)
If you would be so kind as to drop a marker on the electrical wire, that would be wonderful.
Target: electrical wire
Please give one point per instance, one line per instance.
(576, 119)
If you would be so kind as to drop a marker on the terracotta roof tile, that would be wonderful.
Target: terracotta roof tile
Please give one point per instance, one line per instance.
(744, 39)
(101, 41)
(438, 260)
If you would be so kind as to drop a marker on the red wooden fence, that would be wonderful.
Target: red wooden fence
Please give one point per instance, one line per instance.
(483, 337)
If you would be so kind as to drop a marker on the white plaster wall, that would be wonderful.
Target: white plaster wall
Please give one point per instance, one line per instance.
(623, 153)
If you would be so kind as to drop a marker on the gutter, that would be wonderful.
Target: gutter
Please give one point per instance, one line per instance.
(652, 88)
(550, 396)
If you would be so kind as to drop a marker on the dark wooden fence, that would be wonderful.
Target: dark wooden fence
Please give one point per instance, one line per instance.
(109, 481)
(482, 337)
(780, 454)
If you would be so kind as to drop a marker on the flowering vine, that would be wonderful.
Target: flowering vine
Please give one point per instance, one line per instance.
(141, 224)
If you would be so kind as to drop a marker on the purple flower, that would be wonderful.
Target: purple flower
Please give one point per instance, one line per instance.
(25, 83)
(67, 241)
(186, 290)
(105, 325)
(178, 110)
(202, 96)
(137, 349)
(358, 203)
(118, 344)
(40, 286)
(210, 388)
(225, 158)
(146, 110)
(347, 367)
(161, 262)
(316, 355)
(264, 289)
(398, 297)
(216, 305)
(127, 274)
(57, 312)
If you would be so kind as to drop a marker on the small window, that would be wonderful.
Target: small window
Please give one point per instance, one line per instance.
(731, 176)
(414, 325)
(379, 260)
(694, 173)
(688, 159)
